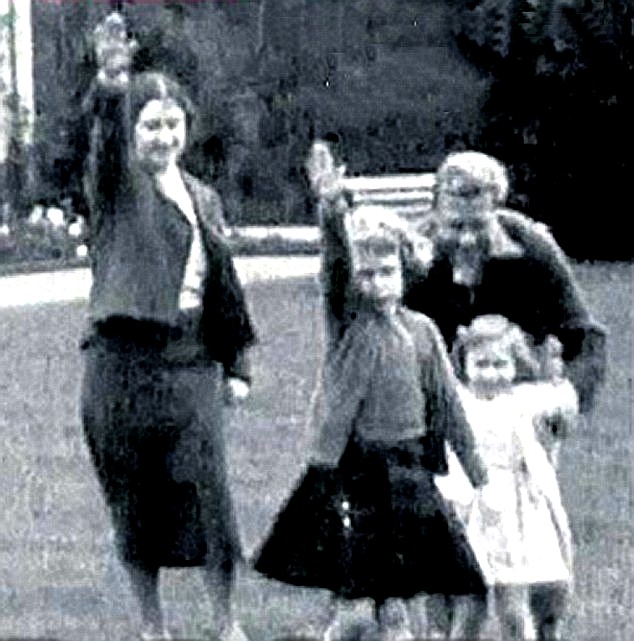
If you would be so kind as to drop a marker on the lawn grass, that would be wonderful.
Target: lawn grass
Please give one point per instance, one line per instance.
(58, 575)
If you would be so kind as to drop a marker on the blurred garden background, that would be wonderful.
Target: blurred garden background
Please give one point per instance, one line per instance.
(542, 84)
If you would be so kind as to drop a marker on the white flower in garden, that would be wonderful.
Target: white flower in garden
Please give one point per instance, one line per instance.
(75, 229)
(81, 251)
(56, 216)
(36, 215)
(4, 230)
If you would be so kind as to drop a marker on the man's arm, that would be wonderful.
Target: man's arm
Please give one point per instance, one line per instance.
(568, 315)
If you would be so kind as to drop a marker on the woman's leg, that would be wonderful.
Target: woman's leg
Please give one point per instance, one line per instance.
(513, 612)
(145, 586)
(200, 457)
(548, 605)
(109, 383)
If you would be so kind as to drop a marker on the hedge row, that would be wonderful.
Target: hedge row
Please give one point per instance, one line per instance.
(36, 248)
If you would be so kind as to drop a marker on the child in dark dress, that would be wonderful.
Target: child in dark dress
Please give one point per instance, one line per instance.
(366, 519)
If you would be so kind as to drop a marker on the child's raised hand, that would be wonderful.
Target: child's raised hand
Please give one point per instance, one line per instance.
(114, 52)
(324, 175)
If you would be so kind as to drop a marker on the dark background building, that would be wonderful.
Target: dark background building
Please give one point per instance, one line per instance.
(542, 84)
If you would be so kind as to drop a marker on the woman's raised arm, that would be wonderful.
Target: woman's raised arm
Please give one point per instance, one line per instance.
(107, 106)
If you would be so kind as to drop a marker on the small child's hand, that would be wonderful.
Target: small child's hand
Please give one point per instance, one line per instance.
(324, 175)
(237, 390)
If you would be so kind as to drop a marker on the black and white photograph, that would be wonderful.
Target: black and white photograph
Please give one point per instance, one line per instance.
(316, 320)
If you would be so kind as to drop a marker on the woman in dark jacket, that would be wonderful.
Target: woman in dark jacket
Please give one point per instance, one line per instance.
(168, 330)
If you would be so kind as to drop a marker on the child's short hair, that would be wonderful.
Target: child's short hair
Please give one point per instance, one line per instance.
(494, 327)
(486, 171)
(376, 230)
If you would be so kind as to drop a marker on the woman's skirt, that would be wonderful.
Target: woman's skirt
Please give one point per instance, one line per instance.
(374, 527)
(155, 435)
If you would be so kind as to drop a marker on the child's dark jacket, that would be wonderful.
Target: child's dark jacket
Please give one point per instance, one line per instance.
(387, 378)
(366, 519)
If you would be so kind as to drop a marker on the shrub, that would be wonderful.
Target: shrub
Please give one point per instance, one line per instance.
(33, 246)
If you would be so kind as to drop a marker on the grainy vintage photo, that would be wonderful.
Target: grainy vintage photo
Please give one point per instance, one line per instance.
(316, 320)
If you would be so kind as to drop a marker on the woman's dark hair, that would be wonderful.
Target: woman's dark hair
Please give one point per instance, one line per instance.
(153, 85)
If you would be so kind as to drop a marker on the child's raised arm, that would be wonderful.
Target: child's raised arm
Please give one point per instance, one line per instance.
(333, 207)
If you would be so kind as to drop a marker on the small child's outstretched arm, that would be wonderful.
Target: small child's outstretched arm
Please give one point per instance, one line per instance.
(557, 398)
(557, 416)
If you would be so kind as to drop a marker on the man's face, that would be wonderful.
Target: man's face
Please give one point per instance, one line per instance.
(378, 278)
(465, 209)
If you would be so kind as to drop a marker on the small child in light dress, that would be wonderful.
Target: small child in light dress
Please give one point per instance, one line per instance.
(516, 524)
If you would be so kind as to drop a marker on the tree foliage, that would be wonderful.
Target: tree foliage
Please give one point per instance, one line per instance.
(559, 111)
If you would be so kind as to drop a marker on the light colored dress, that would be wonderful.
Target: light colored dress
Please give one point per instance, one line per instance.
(516, 523)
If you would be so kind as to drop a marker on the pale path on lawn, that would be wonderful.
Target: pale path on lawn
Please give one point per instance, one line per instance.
(74, 284)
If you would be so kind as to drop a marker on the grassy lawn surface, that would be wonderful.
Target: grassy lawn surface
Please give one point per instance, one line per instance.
(58, 574)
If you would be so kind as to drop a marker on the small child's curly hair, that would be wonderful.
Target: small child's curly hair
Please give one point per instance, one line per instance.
(480, 168)
(494, 327)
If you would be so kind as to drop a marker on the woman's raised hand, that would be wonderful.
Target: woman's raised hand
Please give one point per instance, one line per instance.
(324, 175)
(114, 52)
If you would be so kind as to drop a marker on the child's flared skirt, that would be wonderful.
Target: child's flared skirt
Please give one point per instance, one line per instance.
(375, 526)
